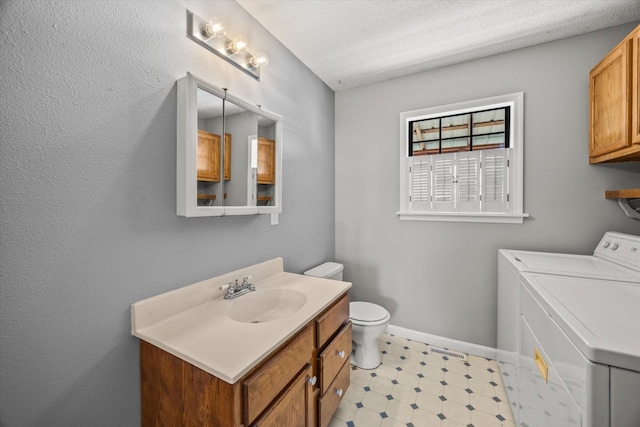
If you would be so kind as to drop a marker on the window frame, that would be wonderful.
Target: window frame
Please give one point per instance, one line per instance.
(515, 213)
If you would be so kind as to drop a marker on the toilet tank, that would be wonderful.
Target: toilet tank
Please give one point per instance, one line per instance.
(328, 270)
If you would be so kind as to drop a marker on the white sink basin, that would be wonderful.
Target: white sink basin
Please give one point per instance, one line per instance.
(266, 305)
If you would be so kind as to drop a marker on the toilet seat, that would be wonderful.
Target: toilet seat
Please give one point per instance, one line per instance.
(367, 313)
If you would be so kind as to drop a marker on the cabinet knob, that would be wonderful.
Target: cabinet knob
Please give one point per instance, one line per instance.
(340, 354)
(313, 380)
(338, 391)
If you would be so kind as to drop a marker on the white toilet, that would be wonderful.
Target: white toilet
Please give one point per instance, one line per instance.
(369, 321)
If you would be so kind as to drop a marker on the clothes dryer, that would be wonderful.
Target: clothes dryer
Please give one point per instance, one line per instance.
(615, 258)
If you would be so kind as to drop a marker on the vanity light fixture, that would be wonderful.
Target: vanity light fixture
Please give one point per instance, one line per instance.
(212, 35)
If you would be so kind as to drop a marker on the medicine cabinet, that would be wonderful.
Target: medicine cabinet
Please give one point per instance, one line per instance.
(238, 174)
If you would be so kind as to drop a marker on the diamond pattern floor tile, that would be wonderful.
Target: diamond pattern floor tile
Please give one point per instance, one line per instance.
(415, 388)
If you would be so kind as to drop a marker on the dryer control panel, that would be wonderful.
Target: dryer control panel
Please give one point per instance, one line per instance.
(623, 249)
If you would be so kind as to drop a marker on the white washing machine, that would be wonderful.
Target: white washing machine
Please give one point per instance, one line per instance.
(616, 259)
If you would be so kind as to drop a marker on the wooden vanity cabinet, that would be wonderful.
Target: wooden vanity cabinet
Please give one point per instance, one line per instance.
(208, 162)
(299, 385)
(614, 105)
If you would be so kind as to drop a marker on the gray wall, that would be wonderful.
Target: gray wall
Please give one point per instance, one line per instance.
(87, 192)
(440, 278)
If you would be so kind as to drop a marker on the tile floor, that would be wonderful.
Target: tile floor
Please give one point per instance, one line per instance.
(415, 388)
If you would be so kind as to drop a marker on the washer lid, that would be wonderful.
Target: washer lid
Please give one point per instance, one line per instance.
(366, 311)
(601, 317)
(569, 265)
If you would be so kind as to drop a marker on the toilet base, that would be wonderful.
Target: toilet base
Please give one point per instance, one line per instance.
(366, 355)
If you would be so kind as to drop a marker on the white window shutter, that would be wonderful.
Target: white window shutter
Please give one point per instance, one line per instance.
(421, 186)
(495, 180)
(468, 177)
(443, 200)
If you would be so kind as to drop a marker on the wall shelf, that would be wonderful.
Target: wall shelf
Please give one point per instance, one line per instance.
(630, 193)
(206, 196)
(209, 196)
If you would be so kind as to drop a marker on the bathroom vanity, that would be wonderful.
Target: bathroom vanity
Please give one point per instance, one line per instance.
(277, 356)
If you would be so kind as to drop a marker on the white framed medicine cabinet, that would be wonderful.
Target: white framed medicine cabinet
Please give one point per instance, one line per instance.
(219, 176)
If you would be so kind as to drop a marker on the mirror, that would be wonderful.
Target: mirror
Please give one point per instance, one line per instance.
(240, 123)
(264, 162)
(208, 163)
(238, 174)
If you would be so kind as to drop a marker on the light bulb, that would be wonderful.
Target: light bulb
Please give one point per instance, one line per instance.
(237, 45)
(213, 28)
(260, 59)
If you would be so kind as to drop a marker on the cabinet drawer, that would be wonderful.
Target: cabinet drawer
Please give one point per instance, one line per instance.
(328, 403)
(264, 385)
(332, 320)
(334, 356)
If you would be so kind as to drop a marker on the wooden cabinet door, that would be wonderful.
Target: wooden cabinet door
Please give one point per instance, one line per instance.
(266, 161)
(291, 407)
(268, 381)
(635, 88)
(609, 103)
(208, 156)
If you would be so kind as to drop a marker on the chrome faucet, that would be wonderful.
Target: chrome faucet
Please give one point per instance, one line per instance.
(234, 290)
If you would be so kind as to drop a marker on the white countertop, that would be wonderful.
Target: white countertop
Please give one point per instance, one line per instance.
(201, 333)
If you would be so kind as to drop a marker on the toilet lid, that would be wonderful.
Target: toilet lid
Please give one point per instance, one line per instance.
(366, 311)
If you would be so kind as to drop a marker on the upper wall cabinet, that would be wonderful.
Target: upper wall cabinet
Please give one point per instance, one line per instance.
(205, 113)
(614, 104)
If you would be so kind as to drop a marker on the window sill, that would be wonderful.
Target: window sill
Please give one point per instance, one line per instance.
(490, 217)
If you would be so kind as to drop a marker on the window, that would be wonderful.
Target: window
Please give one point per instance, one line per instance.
(463, 162)
(480, 130)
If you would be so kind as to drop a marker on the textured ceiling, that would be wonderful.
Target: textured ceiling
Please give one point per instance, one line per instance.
(349, 43)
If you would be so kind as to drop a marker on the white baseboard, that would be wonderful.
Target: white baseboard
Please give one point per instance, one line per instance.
(448, 343)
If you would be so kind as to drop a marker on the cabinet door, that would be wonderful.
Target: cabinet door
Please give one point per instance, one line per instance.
(609, 102)
(268, 381)
(291, 408)
(208, 156)
(266, 161)
(635, 87)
